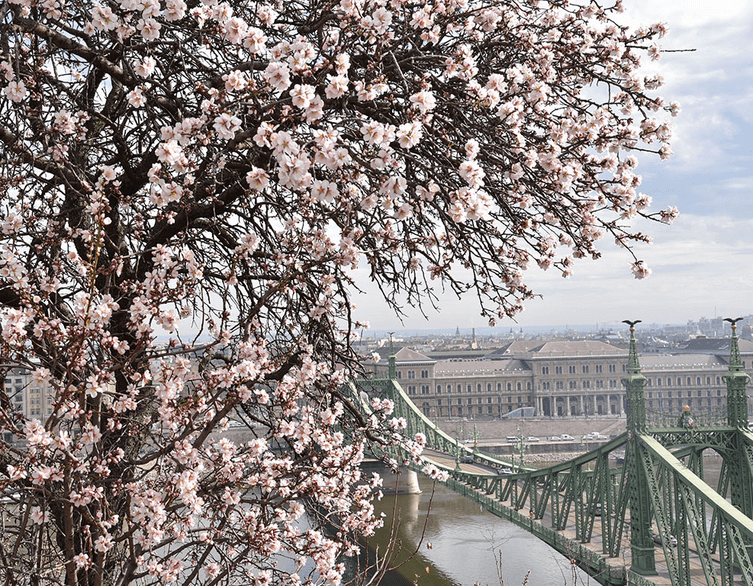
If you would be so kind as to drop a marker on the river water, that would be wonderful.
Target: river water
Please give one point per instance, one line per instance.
(458, 542)
(447, 540)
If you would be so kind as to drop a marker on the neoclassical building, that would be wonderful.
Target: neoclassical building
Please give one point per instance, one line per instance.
(561, 379)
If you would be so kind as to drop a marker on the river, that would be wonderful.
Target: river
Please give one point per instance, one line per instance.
(460, 542)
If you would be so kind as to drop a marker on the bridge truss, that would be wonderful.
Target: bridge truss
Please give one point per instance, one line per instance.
(637, 509)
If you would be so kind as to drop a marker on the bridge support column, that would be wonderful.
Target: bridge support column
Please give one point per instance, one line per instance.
(404, 482)
(740, 462)
(641, 539)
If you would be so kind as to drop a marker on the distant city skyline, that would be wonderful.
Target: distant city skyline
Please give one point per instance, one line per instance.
(700, 264)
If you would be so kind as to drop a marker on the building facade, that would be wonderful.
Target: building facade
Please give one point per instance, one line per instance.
(559, 379)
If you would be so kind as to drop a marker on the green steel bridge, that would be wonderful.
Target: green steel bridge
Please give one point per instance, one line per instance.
(649, 520)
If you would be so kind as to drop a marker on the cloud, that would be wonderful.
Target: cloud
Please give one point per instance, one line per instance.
(699, 268)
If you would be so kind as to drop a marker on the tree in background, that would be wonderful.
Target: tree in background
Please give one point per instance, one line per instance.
(185, 190)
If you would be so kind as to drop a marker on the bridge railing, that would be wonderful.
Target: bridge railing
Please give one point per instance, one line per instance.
(700, 418)
(418, 422)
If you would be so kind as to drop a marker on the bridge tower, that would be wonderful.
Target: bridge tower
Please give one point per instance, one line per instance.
(392, 361)
(641, 539)
(740, 460)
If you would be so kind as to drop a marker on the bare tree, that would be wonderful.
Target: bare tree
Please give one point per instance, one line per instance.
(185, 188)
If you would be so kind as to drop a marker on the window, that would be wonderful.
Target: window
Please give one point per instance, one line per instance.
(572, 384)
(559, 385)
(480, 400)
(509, 386)
(460, 388)
(612, 368)
(571, 369)
(468, 388)
(478, 387)
(439, 402)
(439, 389)
(460, 402)
(470, 401)
(411, 374)
(679, 381)
(718, 380)
(586, 384)
(599, 368)
(708, 380)
(509, 399)
(488, 399)
(519, 387)
(545, 386)
(658, 382)
(698, 381)
(544, 370)
(585, 369)
(399, 374)
(424, 374)
(558, 370)
(688, 381)
(460, 411)
(411, 389)
(424, 389)
(488, 387)
(499, 387)
(528, 386)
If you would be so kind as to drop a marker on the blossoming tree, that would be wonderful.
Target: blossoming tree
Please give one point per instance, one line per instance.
(185, 188)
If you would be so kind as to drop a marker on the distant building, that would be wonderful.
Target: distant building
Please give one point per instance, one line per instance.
(562, 378)
(26, 396)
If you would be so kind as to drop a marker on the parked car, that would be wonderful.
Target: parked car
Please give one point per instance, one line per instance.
(659, 541)
(505, 471)
(466, 459)
(595, 509)
(567, 437)
(511, 439)
(532, 438)
(557, 438)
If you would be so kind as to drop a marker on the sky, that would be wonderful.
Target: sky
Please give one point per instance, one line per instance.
(702, 265)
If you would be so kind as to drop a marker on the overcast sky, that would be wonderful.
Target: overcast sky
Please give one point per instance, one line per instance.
(703, 264)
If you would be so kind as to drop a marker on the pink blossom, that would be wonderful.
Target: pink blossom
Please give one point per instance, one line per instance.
(424, 101)
(145, 67)
(15, 91)
(227, 125)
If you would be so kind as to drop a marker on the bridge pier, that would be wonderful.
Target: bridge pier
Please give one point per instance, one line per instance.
(404, 482)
